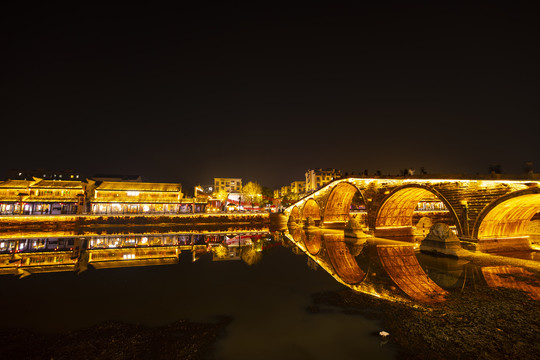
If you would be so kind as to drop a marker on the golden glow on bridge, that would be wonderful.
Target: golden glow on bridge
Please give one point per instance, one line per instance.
(311, 209)
(509, 218)
(398, 209)
(475, 207)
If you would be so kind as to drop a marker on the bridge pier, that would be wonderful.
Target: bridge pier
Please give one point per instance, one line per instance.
(518, 243)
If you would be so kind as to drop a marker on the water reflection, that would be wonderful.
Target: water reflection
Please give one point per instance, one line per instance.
(397, 271)
(27, 256)
(243, 275)
(512, 277)
(383, 268)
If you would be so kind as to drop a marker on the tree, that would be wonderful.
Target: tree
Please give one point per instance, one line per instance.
(252, 191)
(221, 195)
(290, 198)
(267, 196)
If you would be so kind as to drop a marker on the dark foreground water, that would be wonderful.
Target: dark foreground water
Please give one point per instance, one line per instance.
(269, 303)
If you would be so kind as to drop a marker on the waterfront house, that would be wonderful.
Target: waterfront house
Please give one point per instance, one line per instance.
(55, 197)
(12, 193)
(40, 196)
(119, 197)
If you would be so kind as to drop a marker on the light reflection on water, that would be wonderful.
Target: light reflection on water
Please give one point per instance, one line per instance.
(268, 300)
(263, 281)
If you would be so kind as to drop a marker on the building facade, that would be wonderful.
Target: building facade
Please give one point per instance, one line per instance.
(317, 178)
(228, 184)
(298, 187)
(39, 196)
(118, 197)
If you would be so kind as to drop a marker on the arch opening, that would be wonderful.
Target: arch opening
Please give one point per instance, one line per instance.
(344, 201)
(508, 225)
(409, 213)
(311, 209)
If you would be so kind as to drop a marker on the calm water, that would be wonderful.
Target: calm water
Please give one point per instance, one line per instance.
(263, 281)
(267, 300)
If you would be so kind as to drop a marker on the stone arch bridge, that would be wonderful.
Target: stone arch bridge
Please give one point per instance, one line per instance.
(486, 212)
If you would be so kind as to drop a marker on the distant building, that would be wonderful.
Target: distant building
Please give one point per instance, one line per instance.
(228, 184)
(207, 189)
(317, 178)
(298, 187)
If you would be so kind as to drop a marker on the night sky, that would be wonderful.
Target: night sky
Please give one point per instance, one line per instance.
(187, 94)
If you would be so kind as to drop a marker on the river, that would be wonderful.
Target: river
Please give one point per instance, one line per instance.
(263, 283)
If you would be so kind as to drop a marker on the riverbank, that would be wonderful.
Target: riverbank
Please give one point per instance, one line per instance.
(116, 341)
(75, 224)
(484, 323)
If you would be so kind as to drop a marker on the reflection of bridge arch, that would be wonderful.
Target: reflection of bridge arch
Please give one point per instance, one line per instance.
(295, 214)
(508, 216)
(339, 202)
(298, 234)
(398, 207)
(311, 209)
(313, 241)
(342, 260)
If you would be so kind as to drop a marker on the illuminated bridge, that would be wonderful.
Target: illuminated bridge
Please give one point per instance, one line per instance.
(487, 212)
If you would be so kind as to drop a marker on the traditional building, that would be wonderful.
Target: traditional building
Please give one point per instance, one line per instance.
(12, 194)
(55, 197)
(317, 178)
(118, 197)
(40, 196)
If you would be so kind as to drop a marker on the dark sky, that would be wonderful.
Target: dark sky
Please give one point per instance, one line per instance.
(186, 94)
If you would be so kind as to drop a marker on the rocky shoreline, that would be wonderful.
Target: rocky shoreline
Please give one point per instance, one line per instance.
(487, 323)
(116, 341)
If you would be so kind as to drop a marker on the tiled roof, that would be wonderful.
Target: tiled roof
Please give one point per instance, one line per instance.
(138, 186)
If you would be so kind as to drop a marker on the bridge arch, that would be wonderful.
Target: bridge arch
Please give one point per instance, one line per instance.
(311, 209)
(508, 216)
(397, 209)
(339, 202)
